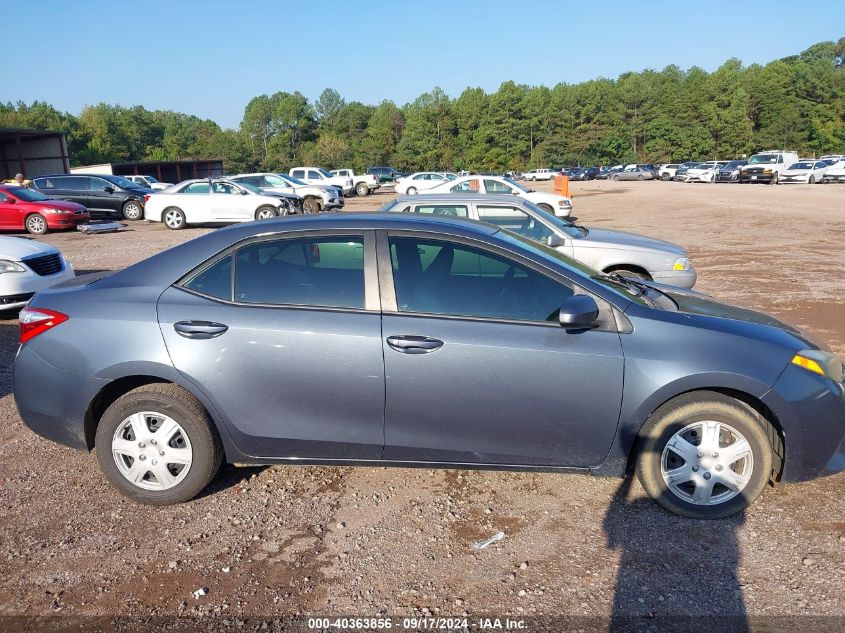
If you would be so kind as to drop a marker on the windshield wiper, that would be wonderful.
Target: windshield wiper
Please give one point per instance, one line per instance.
(637, 287)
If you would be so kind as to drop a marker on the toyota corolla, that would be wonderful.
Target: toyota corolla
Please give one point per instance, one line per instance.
(387, 339)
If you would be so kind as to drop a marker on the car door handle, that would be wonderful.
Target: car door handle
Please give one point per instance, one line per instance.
(408, 344)
(199, 329)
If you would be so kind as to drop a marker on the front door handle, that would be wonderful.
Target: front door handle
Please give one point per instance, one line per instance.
(199, 329)
(408, 344)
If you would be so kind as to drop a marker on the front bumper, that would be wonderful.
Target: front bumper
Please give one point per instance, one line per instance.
(679, 278)
(727, 176)
(56, 221)
(794, 180)
(755, 177)
(833, 178)
(707, 177)
(811, 412)
(15, 286)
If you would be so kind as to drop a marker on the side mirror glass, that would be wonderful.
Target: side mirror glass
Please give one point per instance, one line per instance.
(556, 240)
(578, 312)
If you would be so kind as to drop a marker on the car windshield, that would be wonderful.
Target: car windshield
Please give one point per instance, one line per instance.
(762, 159)
(325, 173)
(734, 164)
(150, 178)
(801, 166)
(570, 229)
(291, 179)
(251, 188)
(516, 185)
(27, 195)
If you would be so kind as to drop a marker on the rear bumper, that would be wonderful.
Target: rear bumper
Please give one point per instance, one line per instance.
(811, 412)
(52, 402)
(679, 278)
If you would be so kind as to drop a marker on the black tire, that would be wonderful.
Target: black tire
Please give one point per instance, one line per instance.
(640, 177)
(688, 409)
(188, 412)
(265, 213)
(633, 273)
(812, 180)
(411, 191)
(774, 179)
(36, 224)
(615, 177)
(311, 205)
(665, 177)
(132, 210)
(362, 189)
(174, 218)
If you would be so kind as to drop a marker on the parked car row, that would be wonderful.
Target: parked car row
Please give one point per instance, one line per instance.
(771, 166)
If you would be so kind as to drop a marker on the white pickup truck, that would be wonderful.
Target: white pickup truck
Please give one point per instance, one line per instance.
(363, 185)
(319, 176)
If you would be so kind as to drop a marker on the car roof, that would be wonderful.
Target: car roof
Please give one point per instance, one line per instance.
(460, 196)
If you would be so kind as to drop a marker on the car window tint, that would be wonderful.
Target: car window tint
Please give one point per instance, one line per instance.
(214, 281)
(516, 220)
(327, 271)
(457, 211)
(3, 197)
(467, 185)
(95, 184)
(437, 277)
(299, 173)
(314, 175)
(224, 187)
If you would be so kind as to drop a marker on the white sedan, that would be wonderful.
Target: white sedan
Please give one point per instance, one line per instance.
(704, 172)
(26, 267)
(211, 200)
(807, 171)
(420, 181)
(561, 206)
(836, 172)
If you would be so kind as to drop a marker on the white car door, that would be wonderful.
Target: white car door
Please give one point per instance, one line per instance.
(195, 202)
(313, 177)
(229, 204)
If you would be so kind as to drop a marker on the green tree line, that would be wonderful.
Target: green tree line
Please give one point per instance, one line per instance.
(651, 116)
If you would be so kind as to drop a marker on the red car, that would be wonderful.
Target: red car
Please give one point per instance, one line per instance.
(23, 208)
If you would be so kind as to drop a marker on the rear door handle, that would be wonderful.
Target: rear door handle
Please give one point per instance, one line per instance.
(199, 329)
(409, 344)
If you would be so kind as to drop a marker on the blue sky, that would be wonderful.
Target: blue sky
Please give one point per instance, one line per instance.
(211, 57)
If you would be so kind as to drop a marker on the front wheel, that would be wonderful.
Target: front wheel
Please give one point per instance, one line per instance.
(775, 178)
(174, 218)
(411, 191)
(133, 210)
(157, 445)
(812, 180)
(665, 177)
(36, 224)
(265, 213)
(704, 455)
(362, 189)
(311, 205)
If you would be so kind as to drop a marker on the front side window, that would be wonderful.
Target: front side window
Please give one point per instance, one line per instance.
(494, 186)
(321, 271)
(515, 220)
(446, 278)
(224, 187)
(314, 175)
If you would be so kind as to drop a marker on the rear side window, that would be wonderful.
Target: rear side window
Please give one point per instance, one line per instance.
(324, 271)
(214, 281)
(452, 210)
(299, 173)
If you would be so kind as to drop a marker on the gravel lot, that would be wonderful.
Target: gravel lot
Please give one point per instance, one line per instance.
(285, 540)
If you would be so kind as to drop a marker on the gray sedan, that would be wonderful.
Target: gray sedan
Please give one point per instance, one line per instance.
(635, 173)
(605, 250)
(397, 339)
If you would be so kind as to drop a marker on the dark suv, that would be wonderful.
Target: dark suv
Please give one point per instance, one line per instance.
(104, 193)
(386, 174)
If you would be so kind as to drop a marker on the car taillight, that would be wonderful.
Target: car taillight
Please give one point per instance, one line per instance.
(34, 321)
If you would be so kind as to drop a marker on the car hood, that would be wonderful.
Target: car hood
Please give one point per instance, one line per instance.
(16, 248)
(606, 238)
(706, 309)
(64, 205)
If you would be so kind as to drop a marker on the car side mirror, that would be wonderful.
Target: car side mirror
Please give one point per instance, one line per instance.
(556, 240)
(108, 189)
(578, 312)
(243, 192)
(8, 201)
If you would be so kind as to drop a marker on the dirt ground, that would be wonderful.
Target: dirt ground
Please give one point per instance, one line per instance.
(374, 542)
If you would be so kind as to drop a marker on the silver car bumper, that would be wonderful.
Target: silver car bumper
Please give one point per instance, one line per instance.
(679, 278)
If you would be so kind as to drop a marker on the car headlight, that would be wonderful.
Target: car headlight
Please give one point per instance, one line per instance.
(767, 171)
(821, 363)
(7, 266)
(682, 263)
(59, 211)
(566, 202)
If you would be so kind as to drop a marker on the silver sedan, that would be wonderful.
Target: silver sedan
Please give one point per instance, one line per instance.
(605, 250)
(636, 173)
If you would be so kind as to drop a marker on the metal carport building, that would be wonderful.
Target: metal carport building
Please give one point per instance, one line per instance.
(32, 153)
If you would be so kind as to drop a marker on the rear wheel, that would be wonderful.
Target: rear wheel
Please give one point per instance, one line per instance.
(174, 218)
(157, 445)
(133, 210)
(362, 189)
(704, 455)
(411, 191)
(265, 213)
(36, 224)
(311, 205)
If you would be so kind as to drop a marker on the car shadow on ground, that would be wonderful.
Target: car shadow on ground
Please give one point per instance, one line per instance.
(230, 476)
(686, 581)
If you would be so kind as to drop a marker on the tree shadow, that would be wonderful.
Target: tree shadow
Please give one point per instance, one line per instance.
(674, 574)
